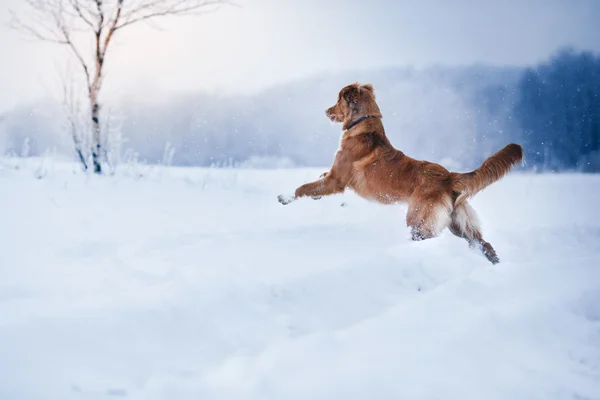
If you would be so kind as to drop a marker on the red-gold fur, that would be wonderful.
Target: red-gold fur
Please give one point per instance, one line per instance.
(368, 164)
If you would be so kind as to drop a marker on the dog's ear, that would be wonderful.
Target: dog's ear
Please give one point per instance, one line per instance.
(351, 94)
(369, 87)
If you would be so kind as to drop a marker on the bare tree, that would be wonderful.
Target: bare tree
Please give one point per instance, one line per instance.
(59, 21)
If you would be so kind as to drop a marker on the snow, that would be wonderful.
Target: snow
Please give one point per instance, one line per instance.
(190, 283)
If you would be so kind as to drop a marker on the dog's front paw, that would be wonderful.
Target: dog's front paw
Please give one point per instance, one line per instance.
(285, 199)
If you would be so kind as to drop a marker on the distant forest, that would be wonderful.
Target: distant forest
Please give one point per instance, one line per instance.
(455, 116)
(556, 115)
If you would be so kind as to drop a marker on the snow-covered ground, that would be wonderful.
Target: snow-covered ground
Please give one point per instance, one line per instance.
(198, 284)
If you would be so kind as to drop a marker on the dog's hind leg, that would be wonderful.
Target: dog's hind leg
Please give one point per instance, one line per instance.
(465, 224)
(428, 218)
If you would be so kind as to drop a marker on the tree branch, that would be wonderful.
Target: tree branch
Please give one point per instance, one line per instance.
(39, 28)
(59, 30)
(113, 26)
(77, 7)
(100, 17)
(157, 8)
(79, 57)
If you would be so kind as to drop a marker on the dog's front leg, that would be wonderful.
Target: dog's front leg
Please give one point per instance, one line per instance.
(323, 187)
(323, 175)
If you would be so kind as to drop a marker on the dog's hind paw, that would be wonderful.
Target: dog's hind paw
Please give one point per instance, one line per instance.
(285, 199)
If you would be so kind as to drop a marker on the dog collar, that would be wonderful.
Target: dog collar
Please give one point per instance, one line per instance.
(358, 121)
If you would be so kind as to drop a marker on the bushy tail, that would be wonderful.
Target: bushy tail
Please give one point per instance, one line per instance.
(492, 170)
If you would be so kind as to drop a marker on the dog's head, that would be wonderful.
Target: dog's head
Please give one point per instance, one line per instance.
(354, 101)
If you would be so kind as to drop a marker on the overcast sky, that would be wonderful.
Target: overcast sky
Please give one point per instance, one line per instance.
(265, 42)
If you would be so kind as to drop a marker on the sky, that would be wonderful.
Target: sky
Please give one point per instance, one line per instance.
(261, 43)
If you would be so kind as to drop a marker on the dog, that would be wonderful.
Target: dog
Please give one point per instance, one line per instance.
(368, 164)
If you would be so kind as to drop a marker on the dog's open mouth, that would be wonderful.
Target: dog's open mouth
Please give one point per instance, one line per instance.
(333, 117)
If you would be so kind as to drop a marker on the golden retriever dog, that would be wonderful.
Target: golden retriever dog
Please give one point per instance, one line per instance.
(368, 164)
